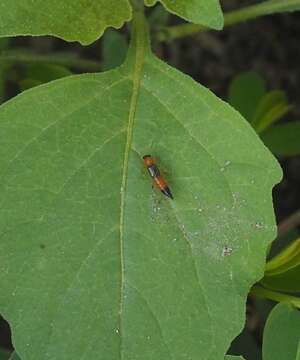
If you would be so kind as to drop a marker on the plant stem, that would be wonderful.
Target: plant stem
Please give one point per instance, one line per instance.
(64, 59)
(274, 295)
(288, 224)
(230, 18)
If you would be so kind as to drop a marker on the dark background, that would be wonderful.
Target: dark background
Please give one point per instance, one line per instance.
(269, 46)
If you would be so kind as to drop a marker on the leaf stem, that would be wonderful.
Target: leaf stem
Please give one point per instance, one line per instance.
(64, 59)
(233, 17)
(288, 224)
(274, 295)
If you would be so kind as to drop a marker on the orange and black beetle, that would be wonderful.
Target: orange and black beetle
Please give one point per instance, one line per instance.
(156, 176)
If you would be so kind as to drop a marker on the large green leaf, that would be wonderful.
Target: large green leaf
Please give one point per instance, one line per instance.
(205, 12)
(282, 334)
(95, 264)
(80, 20)
(86, 20)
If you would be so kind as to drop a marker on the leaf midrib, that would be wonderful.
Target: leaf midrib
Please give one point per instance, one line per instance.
(139, 44)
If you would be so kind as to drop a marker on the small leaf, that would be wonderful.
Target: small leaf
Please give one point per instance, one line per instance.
(245, 92)
(109, 267)
(204, 12)
(283, 140)
(114, 49)
(281, 334)
(283, 271)
(285, 260)
(272, 116)
(269, 101)
(81, 20)
(272, 107)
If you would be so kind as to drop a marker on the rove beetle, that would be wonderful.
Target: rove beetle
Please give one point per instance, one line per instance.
(156, 176)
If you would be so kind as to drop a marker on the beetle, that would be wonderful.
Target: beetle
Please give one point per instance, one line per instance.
(156, 176)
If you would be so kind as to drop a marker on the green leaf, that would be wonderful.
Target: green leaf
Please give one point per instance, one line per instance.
(233, 357)
(245, 92)
(28, 84)
(285, 260)
(114, 48)
(37, 74)
(82, 20)
(281, 334)
(204, 12)
(109, 267)
(46, 72)
(283, 140)
(283, 271)
(159, 17)
(265, 293)
(272, 108)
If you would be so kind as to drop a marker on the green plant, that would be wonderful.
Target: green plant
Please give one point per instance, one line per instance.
(263, 110)
(94, 263)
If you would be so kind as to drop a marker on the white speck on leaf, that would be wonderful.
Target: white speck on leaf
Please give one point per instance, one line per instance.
(226, 251)
(259, 225)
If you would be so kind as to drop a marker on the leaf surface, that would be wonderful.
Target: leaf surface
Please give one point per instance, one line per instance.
(80, 20)
(205, 12)
(96, 261)
(281, 334)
